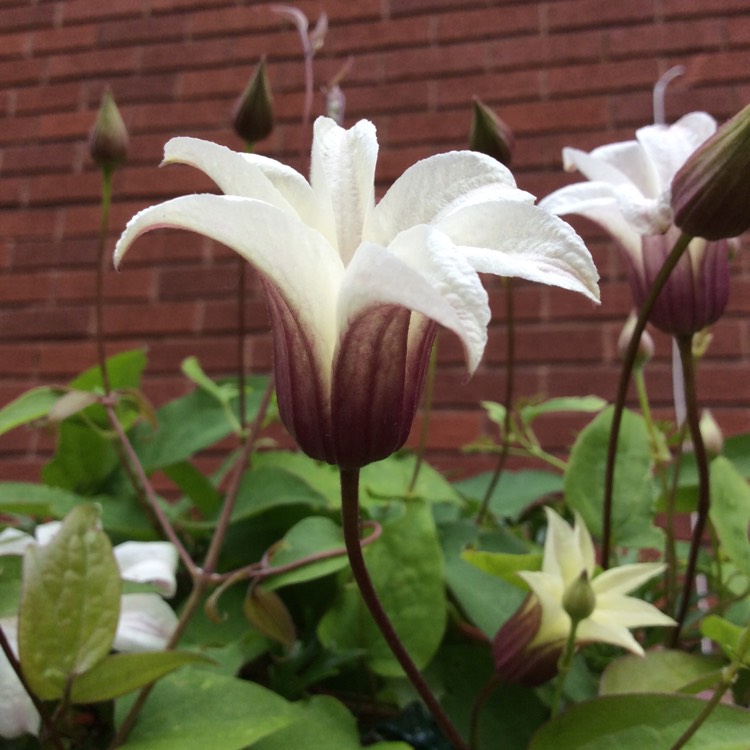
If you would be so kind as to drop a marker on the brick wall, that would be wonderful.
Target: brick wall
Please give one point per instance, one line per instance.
(566, 72)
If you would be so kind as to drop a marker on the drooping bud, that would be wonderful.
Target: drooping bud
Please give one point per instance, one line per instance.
(579, 599)
(108, 142)
(711, 192)
(489, 134)
(253, 112)
(645, 345)
(713, 439)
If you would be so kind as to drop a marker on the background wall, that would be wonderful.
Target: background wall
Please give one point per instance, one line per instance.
(567, 72)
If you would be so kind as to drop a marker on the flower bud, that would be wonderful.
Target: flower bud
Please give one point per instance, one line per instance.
(108, 142)
(579, 599)
(711, 192)
(713, 439)
(489, 134)
(645, 345)
(253, 112)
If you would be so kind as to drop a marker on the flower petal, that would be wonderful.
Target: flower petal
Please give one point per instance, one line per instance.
(14, 541)
(421, 271)
(18, 716)
(517, 239)
(591, 631)
(625, 578)
(146, 623)
(438, 186)
(342, 174)
(295, 258)
(149, 562)
(253, 176)
(629, 612)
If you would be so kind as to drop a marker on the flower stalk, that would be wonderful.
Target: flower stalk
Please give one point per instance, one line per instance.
(351, 526)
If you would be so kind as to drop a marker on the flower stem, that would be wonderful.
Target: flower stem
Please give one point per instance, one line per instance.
(510, 363)
(426, 413)
(103, 227)
(563, 667)
(685, 346)
(728, 676)
(622, 388)
(351, 528)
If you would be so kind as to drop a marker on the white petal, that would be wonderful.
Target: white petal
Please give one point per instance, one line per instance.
(146, 623)
(590, 631)
(438, 186)
(342, 174)
(253, 176)
(296, 259)
(625, 578)
(17, 713)
(149, 562)
(597, 202)
(563, 558)
(45, 532)
(422, 272)
(613, 609)
(517, 239)
(14, 541)
(585, 544)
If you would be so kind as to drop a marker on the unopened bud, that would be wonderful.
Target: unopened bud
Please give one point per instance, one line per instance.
(711, 192)
(253, 112)
(489, 134)
(579, 600)
(645, 345)
(108, 142)
(713, 439)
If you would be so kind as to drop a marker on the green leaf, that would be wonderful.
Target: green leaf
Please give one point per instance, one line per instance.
(634, 487)
(36, 500)
(503, 565)
(28, 407)
(195, 709)
(10, 584)
(661, 671)
(495, 412)
(322, 479)
(726, 634)
(196, 485)
(406, 566)
(623, 722)
(119, 674)
(325, 725)
(579, 404)
(70, 604)
(730, 511)
(124, 370)
(83, 460)
(311, 536)
(515, 491)
(223, 393)
(268, 614)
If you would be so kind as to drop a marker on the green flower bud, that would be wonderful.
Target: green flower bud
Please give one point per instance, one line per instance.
(711, 192)
(108, 142)
(253, 112)
(645, 345)
(489, 134)
(579, 600)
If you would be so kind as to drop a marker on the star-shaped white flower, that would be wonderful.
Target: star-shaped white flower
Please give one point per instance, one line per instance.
(355, 290)
(527, 647)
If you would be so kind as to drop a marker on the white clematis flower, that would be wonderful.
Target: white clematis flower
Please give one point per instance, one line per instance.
(146, 621)
(528, 646)
(355, 290)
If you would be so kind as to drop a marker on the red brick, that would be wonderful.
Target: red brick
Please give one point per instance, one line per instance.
(132, 319)
(63, 39)
(104, 62)
(23, 288)
(89, 10)
(28, 16)
(44, 322)
(567, 14)
(131, 285)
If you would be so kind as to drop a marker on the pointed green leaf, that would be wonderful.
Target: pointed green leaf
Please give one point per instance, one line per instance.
(621, 722)
(579, 404)
(118, 674)
(70, 604)
(124, 370)
(634, 487)
(726, 634)
(28, 407)
(730, 511)
(223, 393)
(195, 709)
(503, 565)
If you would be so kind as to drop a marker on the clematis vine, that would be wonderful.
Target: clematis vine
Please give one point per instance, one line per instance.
(629, 195)
(356, 289)
(528, 646)
(146, 620)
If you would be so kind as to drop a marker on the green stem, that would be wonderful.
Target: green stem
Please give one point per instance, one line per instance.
(484, 695)
(510, 364)
(563, 667)
(727, 679)
(426, 414)
(622, 388)
(685, 346)
(100, 258)
(351, 527)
